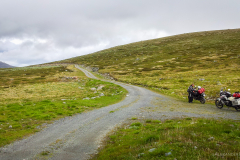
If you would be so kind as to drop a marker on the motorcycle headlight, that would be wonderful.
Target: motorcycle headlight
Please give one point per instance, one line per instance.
(203, 95)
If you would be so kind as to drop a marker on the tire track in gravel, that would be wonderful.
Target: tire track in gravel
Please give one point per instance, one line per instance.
(79, 136)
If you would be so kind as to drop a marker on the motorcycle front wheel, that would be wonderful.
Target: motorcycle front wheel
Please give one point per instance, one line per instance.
(218, 104)
(202, 100)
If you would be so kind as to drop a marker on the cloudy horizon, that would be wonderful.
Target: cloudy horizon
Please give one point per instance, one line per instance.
(35, 32)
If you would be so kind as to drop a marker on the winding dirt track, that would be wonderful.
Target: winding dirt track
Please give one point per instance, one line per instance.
(79, 136)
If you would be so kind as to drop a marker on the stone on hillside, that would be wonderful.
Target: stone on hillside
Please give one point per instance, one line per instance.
(93, 89)
(168, 154)
(95, 69)
(100, 87)
(151, 150)
(86, 98)
(140, 155)
(211, 138)
(102, 94)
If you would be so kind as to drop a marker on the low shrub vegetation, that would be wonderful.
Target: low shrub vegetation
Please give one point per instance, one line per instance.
(181, 139)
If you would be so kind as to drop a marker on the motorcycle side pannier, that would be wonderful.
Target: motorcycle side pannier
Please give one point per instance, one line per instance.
(236, 102)
(236, 94)
(200, 91)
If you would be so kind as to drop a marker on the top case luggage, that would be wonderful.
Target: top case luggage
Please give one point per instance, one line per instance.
(236, 94)
(200, 91)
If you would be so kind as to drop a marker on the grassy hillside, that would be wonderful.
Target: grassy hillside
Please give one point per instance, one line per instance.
(33, 96)
(169, 65)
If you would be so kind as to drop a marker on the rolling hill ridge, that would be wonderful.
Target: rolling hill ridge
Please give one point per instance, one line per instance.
(5, 65)
(169, 65)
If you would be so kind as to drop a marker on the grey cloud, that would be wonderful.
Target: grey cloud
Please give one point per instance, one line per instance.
(6, 45)
(81, 27)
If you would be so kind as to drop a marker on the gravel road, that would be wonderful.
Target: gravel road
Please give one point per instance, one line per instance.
(79, 136)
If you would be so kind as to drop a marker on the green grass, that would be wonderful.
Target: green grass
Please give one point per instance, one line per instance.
(169, 65)
(188, 138)
(24, 108)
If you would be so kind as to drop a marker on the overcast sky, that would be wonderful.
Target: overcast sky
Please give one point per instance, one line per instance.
(40, 31)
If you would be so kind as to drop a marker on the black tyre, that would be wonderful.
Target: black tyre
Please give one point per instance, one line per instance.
(202, 100)
(218, 104)
(237, 108)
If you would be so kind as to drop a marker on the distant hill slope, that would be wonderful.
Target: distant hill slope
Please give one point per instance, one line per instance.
(5, 65)
(170, 64)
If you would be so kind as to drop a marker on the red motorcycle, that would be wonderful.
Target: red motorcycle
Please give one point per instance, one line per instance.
(200, 95)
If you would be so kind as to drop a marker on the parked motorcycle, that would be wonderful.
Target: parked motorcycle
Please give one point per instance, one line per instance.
(200, 95)
(229, 100)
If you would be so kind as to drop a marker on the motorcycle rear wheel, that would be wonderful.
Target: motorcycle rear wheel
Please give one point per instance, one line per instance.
(202, 100)
(237, 108)
(218, 104)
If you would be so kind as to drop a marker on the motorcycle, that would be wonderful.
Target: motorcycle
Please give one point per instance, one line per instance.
(229, 100)
(199, 95)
